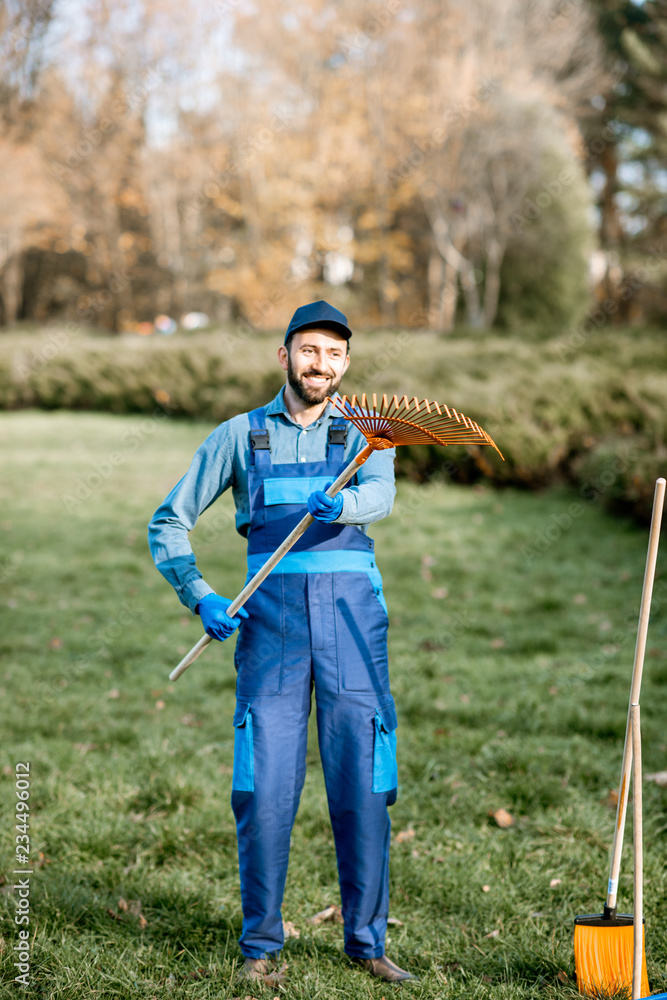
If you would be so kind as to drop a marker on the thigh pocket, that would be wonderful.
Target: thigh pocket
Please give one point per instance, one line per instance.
(385, 772)
(243, 779)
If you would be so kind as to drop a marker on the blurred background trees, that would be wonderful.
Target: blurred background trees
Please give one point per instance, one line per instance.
(417, 162)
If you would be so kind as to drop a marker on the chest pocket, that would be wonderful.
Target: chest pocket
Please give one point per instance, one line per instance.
(293, 489)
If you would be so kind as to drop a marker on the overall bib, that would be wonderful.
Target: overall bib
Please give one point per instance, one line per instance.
(318, 620)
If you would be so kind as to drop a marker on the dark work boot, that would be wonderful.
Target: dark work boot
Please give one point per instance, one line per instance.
(384, 968)
(256, 968)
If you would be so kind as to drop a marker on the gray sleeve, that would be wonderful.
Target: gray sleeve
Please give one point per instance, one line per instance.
(209, 475)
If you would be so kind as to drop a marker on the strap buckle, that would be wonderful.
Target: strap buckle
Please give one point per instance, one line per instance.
(338, 435)
(259, 440)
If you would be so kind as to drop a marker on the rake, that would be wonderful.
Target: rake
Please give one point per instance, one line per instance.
(390, 423)
(604, 942)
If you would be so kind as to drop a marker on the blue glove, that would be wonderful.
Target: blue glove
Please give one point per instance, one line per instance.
(325, 508)
(216, 623)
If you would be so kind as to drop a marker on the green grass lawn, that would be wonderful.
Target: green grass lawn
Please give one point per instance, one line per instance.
(511, 644)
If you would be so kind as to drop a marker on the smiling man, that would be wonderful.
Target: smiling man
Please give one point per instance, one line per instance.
(318, 622)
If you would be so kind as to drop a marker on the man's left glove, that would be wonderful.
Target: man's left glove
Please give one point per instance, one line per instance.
(323, 507)
(212, 610)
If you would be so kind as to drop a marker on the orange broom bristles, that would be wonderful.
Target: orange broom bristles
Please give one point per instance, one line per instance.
(603, 958)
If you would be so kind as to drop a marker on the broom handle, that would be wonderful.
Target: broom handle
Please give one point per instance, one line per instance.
(638, 666)
(637, 832)
(272, 561)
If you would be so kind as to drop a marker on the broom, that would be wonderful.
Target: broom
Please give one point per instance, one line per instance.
(384, 425)
(604, 942)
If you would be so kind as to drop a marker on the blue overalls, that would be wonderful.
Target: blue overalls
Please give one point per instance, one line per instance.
(319, 619)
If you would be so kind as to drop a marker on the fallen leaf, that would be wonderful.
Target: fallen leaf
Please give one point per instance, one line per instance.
(190, 720)
(134, 907)
(200, 974)
(395, 922)
(486, 888)
(415, 854)
(114, 916)
(579, 599)
(553, 690)
(563, 976)
(143, 923)
(328, 913)
(493, 934)
(7, 769)
(612, 798)
(55, 643)
(122, 905)
(114, 693)
(464, 698)
(659, 777)
(497, 643)
(85, 747)
(275, 978)
(427, 562)
(554, 882)
(289, 930)
(440, 593)
(503, 818)
(159, 705)
(404, 835)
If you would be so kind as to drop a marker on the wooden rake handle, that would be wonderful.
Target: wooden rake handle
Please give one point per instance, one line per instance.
(272, 561)
(637, 670)
(638, 832)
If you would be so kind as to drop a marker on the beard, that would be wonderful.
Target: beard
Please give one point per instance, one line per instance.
(307, 393)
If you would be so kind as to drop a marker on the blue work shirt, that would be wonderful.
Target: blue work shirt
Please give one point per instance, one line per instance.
(222, 461)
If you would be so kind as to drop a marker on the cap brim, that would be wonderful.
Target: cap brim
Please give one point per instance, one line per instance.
(323, 324)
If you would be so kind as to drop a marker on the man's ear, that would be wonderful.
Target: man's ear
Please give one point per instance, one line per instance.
(282, 356)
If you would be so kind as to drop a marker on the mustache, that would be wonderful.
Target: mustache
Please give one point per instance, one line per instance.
(315, 372)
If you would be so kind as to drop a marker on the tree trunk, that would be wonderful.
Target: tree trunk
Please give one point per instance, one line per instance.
(12, 276)
(494, 258)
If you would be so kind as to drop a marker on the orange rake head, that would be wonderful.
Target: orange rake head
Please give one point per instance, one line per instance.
(405, 421)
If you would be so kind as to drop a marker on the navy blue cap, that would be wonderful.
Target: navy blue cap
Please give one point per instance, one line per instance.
(319, 314)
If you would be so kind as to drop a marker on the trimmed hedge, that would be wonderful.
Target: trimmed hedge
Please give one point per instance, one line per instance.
(588, 406)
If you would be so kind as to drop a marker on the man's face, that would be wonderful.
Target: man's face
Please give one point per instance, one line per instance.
(315, 364)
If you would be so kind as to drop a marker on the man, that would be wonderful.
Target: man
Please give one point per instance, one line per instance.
(318, 620)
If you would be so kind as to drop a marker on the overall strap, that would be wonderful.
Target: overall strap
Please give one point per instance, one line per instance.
(336, 439)
(260, 452)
